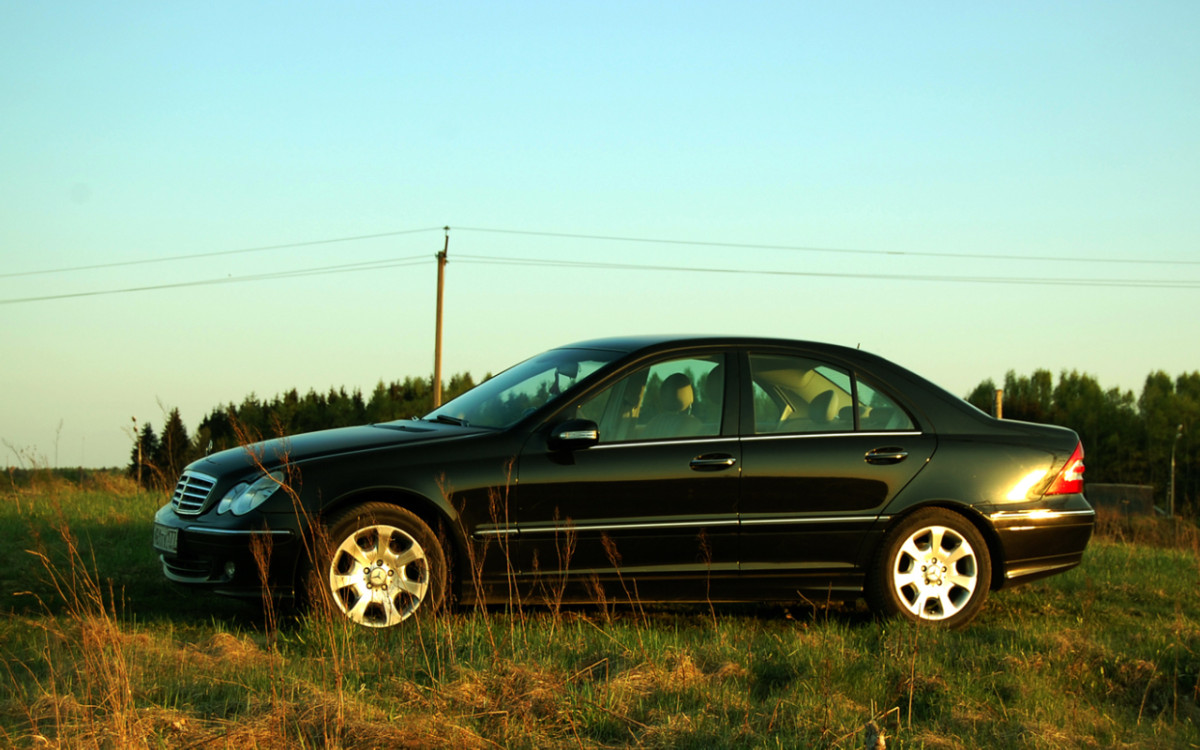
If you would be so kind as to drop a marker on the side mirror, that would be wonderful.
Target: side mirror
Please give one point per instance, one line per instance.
(574, 435)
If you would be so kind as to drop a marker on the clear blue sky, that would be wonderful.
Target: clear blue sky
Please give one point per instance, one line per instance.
(922, 133)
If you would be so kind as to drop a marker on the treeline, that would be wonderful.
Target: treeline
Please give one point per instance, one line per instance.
(158, 458)
(1127, 439)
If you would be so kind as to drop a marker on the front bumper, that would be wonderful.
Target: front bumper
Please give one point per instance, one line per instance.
(227, 559)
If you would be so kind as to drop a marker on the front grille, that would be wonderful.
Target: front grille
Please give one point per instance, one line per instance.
(191, 493)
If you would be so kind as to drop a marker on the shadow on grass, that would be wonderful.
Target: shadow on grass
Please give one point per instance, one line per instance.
(44, 564)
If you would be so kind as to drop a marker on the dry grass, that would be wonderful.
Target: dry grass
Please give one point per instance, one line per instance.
(1106, 656)
(1177, 533)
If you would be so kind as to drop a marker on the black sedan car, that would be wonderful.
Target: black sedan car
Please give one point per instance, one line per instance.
(649, 469)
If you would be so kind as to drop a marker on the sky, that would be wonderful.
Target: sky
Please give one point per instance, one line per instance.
(203, 201)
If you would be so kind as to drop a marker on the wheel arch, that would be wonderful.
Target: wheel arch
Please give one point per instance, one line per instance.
(994, 548)
(442, 521)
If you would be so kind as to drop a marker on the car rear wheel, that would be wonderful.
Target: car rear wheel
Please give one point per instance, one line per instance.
(379, 565)
(933, 567)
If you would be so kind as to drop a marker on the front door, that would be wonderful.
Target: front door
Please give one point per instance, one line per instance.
(656, 498)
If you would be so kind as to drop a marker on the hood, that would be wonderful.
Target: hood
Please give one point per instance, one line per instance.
(313, 445)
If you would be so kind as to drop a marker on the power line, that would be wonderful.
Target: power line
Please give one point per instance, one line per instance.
(598, 265)
(1031, 281)
(610, 238)
(297, 273)
(262, 248)
(808, 249)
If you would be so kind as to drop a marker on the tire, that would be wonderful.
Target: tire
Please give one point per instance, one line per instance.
(378, 565)
(933, 567)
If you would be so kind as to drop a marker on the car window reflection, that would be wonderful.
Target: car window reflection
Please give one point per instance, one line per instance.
(796, 395)
(519, 391)
(677, 398)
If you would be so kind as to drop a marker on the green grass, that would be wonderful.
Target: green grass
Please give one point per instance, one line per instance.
(98, 651)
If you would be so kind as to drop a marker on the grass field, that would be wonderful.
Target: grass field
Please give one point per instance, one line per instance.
(99, 651)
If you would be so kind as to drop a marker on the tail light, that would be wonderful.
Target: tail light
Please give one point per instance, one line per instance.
(1070, 479)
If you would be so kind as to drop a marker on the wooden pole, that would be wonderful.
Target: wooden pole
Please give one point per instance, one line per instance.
(999, 403)
(437, 343)
(1171, 500)
(137, 438)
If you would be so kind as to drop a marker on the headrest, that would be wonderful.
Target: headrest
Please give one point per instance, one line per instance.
(821, 409)
(677, 393)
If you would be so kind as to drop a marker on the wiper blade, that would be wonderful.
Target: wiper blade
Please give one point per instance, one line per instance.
(447, 419)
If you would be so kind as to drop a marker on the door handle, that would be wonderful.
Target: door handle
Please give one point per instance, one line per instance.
(713, 462)
(884, 456)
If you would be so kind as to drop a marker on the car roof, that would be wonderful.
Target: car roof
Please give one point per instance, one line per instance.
(628, 344)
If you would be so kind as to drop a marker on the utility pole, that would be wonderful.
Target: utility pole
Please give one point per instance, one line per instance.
(137, 439)
(437, 342)
(999, 403)
(1174, 444)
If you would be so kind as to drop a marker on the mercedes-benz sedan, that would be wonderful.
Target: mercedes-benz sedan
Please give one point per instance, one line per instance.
(649, 469)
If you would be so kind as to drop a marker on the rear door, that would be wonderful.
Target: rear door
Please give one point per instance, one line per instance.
(823, 452)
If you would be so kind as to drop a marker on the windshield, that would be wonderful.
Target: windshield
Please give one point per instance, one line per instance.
(520, 390)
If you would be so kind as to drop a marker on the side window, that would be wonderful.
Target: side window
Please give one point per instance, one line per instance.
(797, 395)
(794, 394)
(672, 399)
(878, 412)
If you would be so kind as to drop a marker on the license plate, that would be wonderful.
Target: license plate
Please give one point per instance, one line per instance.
(166, 538)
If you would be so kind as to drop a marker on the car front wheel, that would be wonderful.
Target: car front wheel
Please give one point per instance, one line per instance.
(379, 565)
(933, 567)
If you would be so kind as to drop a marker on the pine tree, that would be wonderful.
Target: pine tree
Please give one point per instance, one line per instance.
(141, 459)
(173, 448)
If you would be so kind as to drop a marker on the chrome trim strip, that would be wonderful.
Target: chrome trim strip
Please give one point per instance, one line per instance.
(236, 532)
(1021, 573)
(765, 436)
(839, 434)
(667, 441)
(821, 519)
(677, 525)
(603, 527)
(494, 532)
(1017, 515)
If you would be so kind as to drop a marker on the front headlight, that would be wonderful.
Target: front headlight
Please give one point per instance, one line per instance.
(244, 497)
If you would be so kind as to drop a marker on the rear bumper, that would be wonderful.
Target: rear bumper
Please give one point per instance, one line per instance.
(1042, 542)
